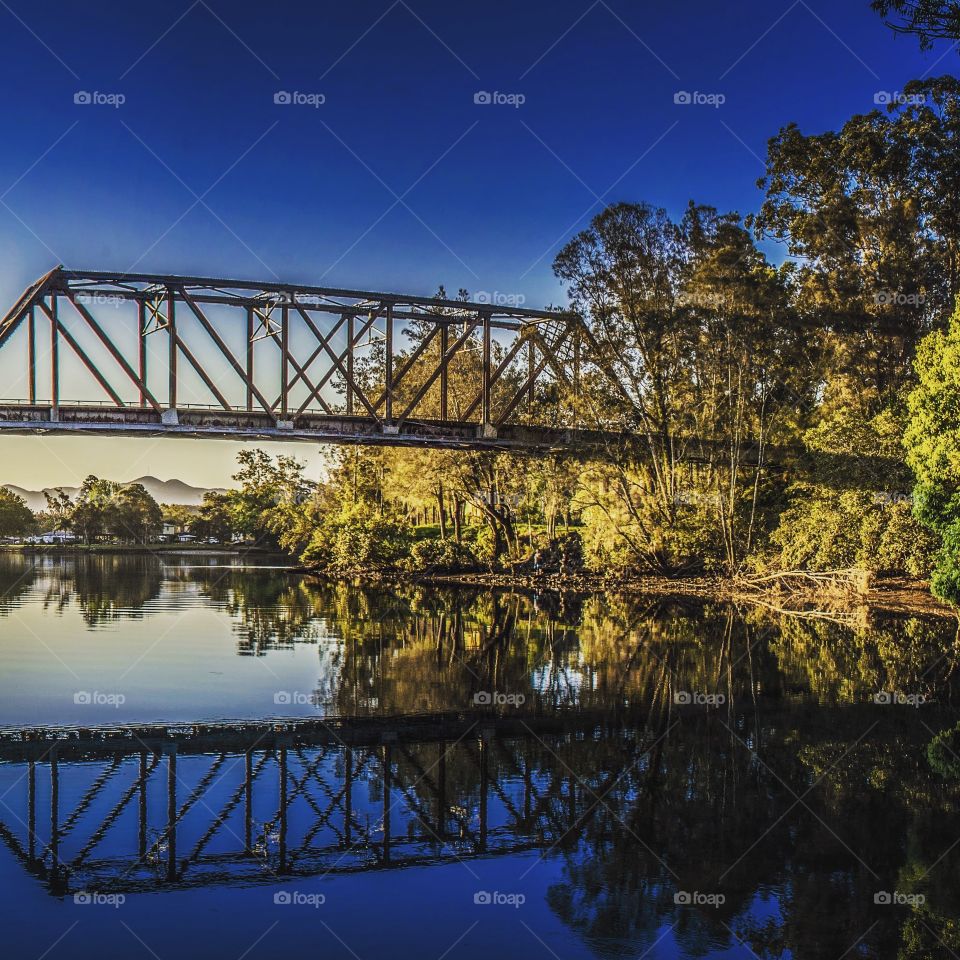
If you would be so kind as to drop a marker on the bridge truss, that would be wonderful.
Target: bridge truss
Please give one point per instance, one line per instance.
(143, 809)
(285, 361)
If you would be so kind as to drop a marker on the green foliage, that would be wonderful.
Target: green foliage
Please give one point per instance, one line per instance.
(359, 537)
(15, 517)
(825, 529)
(932, 440)
(216, 517)
(441, 556)
(928, 20)
(268, 488)
(943, 753)
(105, 508)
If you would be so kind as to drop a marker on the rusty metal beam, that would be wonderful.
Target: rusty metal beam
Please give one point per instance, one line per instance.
(62, 331)
(114, 352)
(224, 349)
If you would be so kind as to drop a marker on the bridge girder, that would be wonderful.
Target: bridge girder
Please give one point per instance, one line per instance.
(347, 365)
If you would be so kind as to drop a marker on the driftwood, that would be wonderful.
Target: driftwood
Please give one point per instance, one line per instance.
(843, 582)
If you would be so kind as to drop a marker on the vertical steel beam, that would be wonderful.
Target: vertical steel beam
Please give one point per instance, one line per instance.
(248, 803)
(172, 336)
(350, 322)
(442, 790)
(444, 378)
(249, 363)
(527, 790)
(531, 371)
(54, 809)
(32, 353)
(171, 811)
(54, 359)
(31, 811)
(576, 376)
(485, 418)
(386, 802)
(142, 845)
(388, 412)
(283, 809)
(142, 348)
(348, 795)
(484, 790)
(284, 360)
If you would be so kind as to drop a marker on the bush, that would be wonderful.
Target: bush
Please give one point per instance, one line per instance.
(359, 537)
(826, 530)
(942, 753)
(441, 556)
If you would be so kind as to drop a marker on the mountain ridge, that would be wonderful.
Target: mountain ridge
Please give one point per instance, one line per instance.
(173, 491)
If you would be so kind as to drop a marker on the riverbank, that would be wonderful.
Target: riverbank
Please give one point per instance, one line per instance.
(151, 549)
(895, 595)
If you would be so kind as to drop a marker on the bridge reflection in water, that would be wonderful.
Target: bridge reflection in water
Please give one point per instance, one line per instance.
(130, 810)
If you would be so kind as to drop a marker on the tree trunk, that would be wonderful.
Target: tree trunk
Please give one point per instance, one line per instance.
(442, 513)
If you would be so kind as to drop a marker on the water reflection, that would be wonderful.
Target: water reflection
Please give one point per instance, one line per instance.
(655, 751)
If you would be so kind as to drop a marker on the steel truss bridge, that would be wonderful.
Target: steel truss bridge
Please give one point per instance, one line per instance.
(135, 809)
(281, 361)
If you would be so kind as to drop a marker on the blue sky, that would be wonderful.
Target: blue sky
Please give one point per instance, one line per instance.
(398, 179)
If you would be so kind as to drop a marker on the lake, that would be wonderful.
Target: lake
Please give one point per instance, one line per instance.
(206, 758)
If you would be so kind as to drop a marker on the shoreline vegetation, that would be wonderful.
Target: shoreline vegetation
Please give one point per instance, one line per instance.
(892, 595)
(837, 595)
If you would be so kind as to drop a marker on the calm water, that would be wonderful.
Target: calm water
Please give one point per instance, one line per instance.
(200, 759)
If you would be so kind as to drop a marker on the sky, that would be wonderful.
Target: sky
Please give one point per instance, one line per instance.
(388, 144)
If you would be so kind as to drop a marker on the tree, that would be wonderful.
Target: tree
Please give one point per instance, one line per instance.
(695, 328)
(106, 508)
(178, 516)
(15, 517)
(138, 516)
(872, 215)
(929, 20)
(267, 488)
(932, 439)
(216, 517)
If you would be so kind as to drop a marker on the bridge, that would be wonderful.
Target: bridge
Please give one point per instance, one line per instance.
(213, 358)
(273, 361)
(167, 807)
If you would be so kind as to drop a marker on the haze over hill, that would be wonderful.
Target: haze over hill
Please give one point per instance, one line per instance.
(163, 491)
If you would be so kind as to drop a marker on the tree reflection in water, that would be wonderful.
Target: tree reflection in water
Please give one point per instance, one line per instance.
(793, 795)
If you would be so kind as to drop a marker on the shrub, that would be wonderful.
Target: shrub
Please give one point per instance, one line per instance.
(359, 537)
(441, 556)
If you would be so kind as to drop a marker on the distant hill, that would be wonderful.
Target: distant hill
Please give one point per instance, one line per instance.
(163, 491)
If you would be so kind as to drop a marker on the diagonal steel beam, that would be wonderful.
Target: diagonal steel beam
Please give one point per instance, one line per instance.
(114, 352)
(224, 349)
